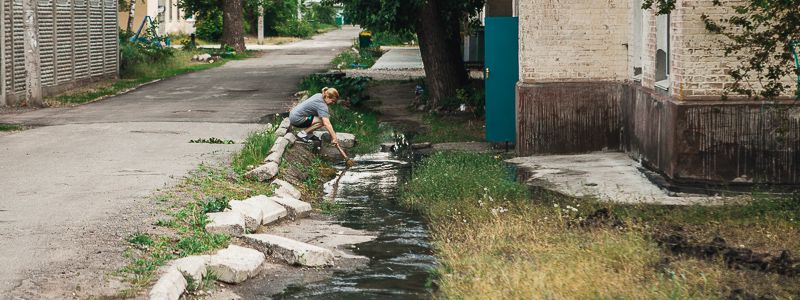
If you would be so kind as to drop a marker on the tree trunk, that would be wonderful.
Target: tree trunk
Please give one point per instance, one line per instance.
(131, 15)
(232, 26)
(33, 68)
(441, 54)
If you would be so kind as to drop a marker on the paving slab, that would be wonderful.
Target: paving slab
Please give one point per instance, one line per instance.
(235, 264)
(264, 172)
(297, 209)
(170, 286)
(291, 251)
(346, 140)
(607, 176)
(194, 266)
(271, 210)
(252, 214)
(227, 222)
(400, 59)
(285, 189)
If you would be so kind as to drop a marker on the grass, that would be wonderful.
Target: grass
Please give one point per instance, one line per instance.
(256, 148)
(356, 59)
(361, 122)
(445, 129)
(497, 240)
(9, 127)
(180, 64)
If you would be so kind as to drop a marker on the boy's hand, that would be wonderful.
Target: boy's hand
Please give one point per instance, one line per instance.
(335, 141)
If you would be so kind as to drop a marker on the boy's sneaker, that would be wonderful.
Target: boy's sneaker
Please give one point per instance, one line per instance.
(303, 139)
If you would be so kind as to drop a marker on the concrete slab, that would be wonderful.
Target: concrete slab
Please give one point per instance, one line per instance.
(285, 189)
(227, 222)
(400, 59)
(264, 172)
(170, 286)
(291, 251)
(297, 209)
(252, 214)
(236, 264)
(607, 176)
(346, 140)
(194, 266)
(271, 210)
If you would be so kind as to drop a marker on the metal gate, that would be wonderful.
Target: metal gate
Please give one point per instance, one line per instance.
(78, 40)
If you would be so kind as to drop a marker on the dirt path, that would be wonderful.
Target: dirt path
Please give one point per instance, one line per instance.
(73, 189)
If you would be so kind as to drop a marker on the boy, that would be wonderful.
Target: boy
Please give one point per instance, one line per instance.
(313, 114)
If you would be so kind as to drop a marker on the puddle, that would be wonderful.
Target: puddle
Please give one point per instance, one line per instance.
(400, 258)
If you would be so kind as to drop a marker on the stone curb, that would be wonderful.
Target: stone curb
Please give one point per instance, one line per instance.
(270, 167)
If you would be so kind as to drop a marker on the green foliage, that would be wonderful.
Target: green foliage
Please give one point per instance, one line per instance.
(360, 59)
(385, 38)
(210, 27)
(255, 149)
(9, 127)
(451, 129)
(460, 180)
(474, 100)
(761, 33)
(140, 239)
(215, 204)
(295, 28)
(361, 122)
(350, 88)
(323, 13)
(132, 54)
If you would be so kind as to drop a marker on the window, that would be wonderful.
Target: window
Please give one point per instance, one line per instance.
(636, 44)
(662, 51)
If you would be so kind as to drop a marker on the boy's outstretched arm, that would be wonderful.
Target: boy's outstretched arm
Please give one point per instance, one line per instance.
(327, 123)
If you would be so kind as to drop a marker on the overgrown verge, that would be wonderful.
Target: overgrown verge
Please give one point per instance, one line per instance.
(181, 230)
(141, 63)
(10, 127)
(497, 240)
(451, 129)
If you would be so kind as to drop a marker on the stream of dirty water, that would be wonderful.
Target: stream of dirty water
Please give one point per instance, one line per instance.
(401, 258)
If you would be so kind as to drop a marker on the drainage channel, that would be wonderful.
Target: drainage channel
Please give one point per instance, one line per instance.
(401, 258)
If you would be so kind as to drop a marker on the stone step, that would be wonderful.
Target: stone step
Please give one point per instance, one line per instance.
(297, 209)
(228, 222)
(291, 251)
(285, 189)
(252, 214)
(235, 264)
(271, 211)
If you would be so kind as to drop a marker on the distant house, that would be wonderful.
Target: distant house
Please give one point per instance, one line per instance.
(171, 18)
(607, 75)
(77, 44)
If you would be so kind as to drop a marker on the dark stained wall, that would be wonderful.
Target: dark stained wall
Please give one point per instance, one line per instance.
(499, 8)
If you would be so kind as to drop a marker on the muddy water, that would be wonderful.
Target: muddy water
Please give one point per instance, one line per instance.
(400, 258)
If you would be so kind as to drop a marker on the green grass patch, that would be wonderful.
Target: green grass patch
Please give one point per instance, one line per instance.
(9, 127)
(256, 148)
(498, 240)
(446, 129)
(358, 59)
(361, 122)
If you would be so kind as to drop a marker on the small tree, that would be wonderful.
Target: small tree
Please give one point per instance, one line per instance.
(232, 20)
(761, 35)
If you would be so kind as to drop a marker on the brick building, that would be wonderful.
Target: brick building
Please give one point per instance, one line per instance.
(607, 75)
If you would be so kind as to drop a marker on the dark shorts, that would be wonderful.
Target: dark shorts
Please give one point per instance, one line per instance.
(305, 124)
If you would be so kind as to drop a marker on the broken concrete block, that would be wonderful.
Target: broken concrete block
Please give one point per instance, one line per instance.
(285, 123)
(271, 211)
(228, 222)
(291, 251)
(264, 172)
(274, 157)
(346, 140)
(280, 145)
(286, 189)
(251, 213)
(388, 147)
(235, 264)
(194, 266)
(290, 137)
(280, 131)
(170, 286)
(296, 208)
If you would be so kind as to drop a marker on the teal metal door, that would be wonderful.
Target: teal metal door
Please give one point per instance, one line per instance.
(501, 73)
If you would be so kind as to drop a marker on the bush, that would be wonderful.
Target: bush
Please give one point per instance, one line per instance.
(295, 28)
(323, 13)
(210, 29)
(350, 88)
(136, 53)
(391, 39)
(363, 58)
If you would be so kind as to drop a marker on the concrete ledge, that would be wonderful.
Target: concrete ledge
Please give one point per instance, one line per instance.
(264, 172)
(271, 211)
(236, 264)
(252, 214)
(286, 189)
(291, 251)
(228, 222)
(296, 208)
(170, 286)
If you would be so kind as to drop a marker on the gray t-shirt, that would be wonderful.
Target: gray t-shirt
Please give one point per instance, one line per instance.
(313, 106)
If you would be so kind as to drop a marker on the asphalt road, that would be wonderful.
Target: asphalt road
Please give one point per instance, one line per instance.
(73, 187)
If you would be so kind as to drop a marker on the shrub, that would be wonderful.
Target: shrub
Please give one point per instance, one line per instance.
(135, 53)
(210, 29)
(350, 88)
(323, 13)
(295, 28)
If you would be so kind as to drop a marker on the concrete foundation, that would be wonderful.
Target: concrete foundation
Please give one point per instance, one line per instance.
(727, 142)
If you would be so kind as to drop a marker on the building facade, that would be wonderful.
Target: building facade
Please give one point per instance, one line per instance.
(607, 75)
(171, 18)
(77, 43)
